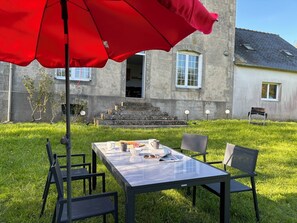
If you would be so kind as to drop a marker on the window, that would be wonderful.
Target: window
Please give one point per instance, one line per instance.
(270, 91)
(188, 69)
(76, 74)
(287, 53)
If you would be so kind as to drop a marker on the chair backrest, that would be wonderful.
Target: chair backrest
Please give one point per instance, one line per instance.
(258, 110)
(58, 177)
(49, 152)
(193, 142)
(241, 158)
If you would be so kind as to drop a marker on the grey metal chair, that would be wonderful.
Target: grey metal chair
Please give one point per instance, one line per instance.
(197, 144)
(82, 207)
(243, 160)
(80, 171)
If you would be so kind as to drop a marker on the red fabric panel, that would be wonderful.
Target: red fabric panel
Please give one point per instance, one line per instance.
(98, 29)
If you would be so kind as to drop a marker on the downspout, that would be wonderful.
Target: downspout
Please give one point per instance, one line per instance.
(9, 93)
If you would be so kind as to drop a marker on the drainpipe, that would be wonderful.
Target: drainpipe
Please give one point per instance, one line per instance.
(9, 93)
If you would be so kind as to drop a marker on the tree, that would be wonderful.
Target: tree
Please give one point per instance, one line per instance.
(56, 101)
(38, 93)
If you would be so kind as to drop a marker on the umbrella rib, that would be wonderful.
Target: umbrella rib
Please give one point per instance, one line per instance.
(39, 30)
(171, 45)
(98, 31)
(73, 3)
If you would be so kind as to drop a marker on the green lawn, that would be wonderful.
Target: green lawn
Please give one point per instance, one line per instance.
(24, 166)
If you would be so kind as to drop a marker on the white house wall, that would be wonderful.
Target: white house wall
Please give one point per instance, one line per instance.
(247, 93)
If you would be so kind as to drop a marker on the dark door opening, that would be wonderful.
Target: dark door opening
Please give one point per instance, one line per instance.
(134, 76)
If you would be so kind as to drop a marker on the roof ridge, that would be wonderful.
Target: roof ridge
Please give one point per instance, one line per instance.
(258, 31)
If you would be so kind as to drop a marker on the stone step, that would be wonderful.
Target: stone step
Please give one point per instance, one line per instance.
(139, 116)
(132, 113)
(125, 110)
(132, 104)
(137, 108)
(140, 122)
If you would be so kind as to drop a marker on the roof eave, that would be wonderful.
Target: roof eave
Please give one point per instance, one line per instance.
(263, 67)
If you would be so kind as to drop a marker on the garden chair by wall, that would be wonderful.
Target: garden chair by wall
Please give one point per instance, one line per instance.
(82, 207)
(80, 171)
(197, 146)
(256, 112)
(239, 159)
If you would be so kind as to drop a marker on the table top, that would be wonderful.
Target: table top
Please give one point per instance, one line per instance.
(139, 171)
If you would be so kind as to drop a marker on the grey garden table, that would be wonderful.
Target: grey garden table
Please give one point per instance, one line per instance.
(138, 175)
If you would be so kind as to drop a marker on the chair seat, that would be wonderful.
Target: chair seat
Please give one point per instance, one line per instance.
(235, 186)
(82, 209)
(76, 174)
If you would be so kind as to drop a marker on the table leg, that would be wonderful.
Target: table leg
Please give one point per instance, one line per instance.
(225, 202)
(94, 168)
(130, 207)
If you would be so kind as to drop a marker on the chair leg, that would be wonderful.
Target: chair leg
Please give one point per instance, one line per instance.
(45, 193)
(116, 218)
(47, 179)
(116, 209)
(194, 196)
(204, 158)
(188, 191)
(90, 186)
(103, 183)
(84, 186)
(54, 215)
(255, 199)
(104, 218)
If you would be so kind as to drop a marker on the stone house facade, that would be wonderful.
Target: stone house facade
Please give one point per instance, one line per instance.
(196, 75)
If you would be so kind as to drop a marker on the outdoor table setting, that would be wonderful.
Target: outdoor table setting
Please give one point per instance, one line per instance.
(143, 166)
(142, 149)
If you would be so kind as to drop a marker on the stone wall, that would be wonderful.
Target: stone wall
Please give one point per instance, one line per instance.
(4, 74)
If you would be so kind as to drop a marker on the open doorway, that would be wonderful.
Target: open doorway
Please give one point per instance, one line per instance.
(135, 76)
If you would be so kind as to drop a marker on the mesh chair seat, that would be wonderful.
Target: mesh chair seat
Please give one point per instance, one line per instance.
(235, 187)
(76, 174)
(95, 206)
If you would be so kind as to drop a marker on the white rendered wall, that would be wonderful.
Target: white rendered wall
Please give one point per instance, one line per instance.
(247, 93)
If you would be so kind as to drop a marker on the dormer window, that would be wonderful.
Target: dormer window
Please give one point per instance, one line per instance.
(287, 53)
(248, 46)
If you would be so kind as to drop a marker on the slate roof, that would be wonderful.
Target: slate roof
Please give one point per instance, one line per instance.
(268, 50)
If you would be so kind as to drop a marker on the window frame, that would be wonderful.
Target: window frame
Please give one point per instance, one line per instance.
(277, 93)
(199, 70)
(73, 70)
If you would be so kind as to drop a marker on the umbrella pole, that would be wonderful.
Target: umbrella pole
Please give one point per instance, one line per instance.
(67, 140)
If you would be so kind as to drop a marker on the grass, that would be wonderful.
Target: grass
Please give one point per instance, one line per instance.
(24, 166)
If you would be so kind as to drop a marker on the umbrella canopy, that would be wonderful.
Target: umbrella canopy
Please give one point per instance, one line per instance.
(86, 33)
(98, 30)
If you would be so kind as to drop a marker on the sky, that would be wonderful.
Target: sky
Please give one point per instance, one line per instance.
(271, 16)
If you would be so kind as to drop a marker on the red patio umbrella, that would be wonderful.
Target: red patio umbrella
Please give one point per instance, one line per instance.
(86, 33)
